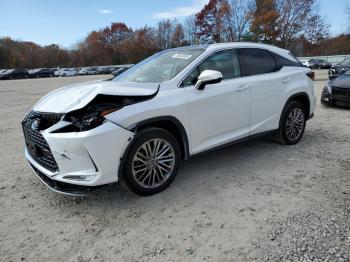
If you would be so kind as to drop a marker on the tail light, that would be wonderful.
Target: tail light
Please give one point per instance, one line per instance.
(311, 75)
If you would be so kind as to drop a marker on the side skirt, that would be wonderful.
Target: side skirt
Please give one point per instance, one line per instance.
(236, 142)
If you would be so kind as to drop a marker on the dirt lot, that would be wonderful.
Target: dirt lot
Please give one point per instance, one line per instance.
(255, 201)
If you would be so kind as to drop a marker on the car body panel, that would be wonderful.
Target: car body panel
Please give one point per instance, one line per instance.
(76, 96)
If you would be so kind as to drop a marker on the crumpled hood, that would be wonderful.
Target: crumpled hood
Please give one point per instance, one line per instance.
(77, 96)
(342, 81)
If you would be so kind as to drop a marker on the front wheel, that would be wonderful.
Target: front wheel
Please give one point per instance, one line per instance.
(292, 123)
(152, 162)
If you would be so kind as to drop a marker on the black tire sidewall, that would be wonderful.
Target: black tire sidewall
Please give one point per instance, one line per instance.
(289, 107)
(142, 137)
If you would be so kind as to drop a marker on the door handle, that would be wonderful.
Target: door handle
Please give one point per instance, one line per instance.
(286, 80)
(242, 88)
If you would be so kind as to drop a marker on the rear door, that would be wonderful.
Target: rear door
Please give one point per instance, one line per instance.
(266, 84)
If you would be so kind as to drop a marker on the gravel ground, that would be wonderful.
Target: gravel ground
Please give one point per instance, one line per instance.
(255, 201)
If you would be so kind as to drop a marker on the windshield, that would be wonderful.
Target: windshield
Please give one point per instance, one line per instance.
(160, 67)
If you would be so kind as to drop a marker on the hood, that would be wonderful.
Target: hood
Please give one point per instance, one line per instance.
(342, 81)
(69, 98)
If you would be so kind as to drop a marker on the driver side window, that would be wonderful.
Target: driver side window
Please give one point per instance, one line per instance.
(225, 61)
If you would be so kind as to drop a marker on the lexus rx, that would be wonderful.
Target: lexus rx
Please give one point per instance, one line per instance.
(178, 103)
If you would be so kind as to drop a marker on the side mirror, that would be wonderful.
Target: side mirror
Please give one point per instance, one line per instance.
(208, 77)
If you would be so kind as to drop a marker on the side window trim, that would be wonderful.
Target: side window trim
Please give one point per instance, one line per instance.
(236, 49)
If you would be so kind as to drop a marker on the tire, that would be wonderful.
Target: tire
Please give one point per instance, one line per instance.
(143, 173)
(292, 123)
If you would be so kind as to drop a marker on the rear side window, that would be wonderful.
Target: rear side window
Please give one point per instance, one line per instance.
(225, 61)
(282, 61)
(257, 61)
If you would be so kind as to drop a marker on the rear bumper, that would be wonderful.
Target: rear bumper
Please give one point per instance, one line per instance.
(86, 160)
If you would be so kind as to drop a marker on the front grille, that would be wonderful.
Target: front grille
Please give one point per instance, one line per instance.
(35, 142)
(341, 93)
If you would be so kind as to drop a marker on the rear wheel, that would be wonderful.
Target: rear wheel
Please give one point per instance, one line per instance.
(292, 123)
(152, 162)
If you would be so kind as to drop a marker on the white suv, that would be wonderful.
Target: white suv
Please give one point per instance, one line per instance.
(138, 126)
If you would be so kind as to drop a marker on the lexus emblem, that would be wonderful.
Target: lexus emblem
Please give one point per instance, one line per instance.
(35, 124)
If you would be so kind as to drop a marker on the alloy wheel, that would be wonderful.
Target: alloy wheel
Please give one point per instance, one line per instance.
(153, 163)
(295, 124)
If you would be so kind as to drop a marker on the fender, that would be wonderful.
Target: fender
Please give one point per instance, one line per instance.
(172, 119)
(300, 94)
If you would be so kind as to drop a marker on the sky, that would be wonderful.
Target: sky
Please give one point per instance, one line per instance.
(66, 22)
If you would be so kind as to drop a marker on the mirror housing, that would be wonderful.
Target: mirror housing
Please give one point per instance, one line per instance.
(208, 77)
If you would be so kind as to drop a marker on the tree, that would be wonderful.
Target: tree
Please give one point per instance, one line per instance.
(165, 31)
(240, 18)
(264, 21)
(178, 38)
(190, 30)
(298, 17)
(212, 22)
(116, 33)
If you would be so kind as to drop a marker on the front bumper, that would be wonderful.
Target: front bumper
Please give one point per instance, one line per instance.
(336, 100)
(85, 160)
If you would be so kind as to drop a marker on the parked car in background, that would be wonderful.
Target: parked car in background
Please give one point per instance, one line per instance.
(14, 74)
(306, 63)
(138, 126)
(322, 64)
(92, 71)
(88, 71)
(41, 72)
(104, 70)
(339, 69)
(66, 72)
(82, 71)
(337, 91)
(317, 63)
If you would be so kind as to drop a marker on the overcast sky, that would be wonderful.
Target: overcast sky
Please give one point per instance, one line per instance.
(66, 22)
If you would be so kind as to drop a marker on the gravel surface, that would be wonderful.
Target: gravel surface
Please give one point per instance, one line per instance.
(255, 201)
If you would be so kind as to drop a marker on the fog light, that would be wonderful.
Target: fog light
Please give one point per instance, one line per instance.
(80, 177)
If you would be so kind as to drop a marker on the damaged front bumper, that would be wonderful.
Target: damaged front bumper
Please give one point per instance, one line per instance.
(86, 161)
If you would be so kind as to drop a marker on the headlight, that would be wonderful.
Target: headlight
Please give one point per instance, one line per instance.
(87, 119)
(329, 88)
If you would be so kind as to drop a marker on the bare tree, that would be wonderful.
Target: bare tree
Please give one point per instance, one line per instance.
(165, 32)
(298, 17)
(240, 18)
(190, 30)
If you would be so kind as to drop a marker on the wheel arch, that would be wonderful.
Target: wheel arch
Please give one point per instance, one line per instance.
(169, 123)
(301, 97)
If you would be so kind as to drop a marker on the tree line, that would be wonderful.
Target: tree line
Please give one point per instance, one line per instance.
(292, 24)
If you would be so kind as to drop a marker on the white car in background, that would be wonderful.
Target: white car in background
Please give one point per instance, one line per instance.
(307, 63)
(178, 103)
(66, 72)
(88, 71)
